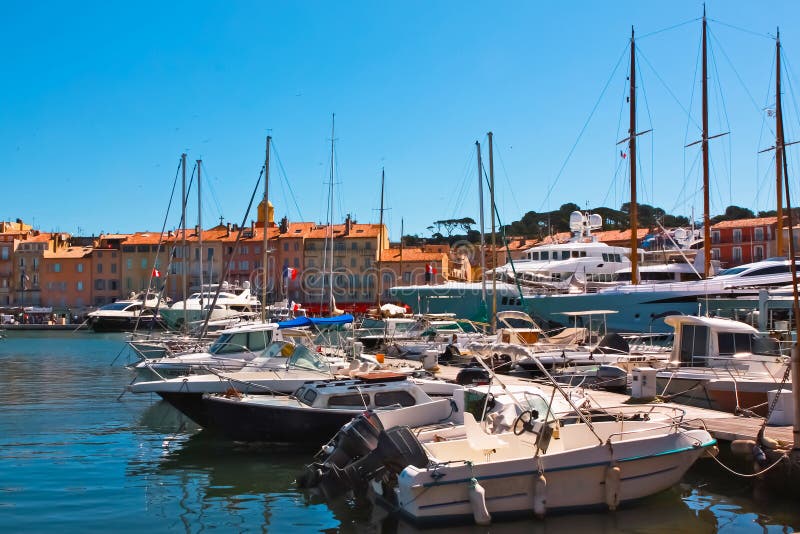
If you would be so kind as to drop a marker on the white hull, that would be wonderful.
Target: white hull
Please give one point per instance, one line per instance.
(576, 479)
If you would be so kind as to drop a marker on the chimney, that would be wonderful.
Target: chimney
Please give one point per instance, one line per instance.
(284, 227)
(197, 229)
(348, 224)
(228, 230)
(253, 226)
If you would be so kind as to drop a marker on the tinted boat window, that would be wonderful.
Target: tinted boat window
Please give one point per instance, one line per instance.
(309, 396)
(348, 400)
(694, 345)
(388, 398)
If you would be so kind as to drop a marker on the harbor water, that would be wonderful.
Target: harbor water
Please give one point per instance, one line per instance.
(78, 455)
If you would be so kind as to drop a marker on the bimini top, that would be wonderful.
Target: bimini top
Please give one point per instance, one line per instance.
(316, 321)
(718, 324)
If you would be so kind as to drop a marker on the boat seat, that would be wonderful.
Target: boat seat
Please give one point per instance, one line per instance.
(572, 335)
(479, 440)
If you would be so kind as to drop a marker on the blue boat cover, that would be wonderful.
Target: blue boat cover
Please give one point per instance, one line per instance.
(316, 321)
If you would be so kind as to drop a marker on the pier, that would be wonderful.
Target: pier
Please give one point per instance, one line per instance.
(723, 426)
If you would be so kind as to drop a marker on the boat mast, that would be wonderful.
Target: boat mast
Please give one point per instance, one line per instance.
(401, 251)
(483, 239)
(380, 245)
(706, 202)
(184, 254)
(330, 226)
(634, 211)
(265, 243)
(200, 235)
(494, 238)
(779, 156)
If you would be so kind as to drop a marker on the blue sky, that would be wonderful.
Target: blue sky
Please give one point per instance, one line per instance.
(99, 99)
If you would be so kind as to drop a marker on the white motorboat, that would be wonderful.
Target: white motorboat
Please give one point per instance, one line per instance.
(543, 462)
(138, 311)
(232, 350)
(720, 363)
(231, 301)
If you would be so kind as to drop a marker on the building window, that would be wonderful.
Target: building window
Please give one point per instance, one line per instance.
(758, 253)
(79, 286)
(112, 285)
(99, 253)
(758, 234)
(715, 236)
(80, 267)
(129, 263)
(4, 253)
(715, 254)
(296, 246)
(210, 255)
(113, 267)
(286, 247)
(352, 262)
(736, 255)
(100, 285)
(99, 267)
(297, 262)
(737, 235)
(128, 283)
(244, 265)
(144, 263)
(56, 267)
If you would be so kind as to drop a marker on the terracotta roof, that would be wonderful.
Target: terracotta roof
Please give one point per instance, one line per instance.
(410, 254)
(114, 236)
(143, 238)
(321, 231)
(620, 235)
(746, 223)
(71, 252)
(43, 237)
(297, 229)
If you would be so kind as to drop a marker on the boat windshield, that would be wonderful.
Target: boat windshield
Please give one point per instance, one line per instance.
(303, 358)
(116, 306)
(254, 341)
(732, 271)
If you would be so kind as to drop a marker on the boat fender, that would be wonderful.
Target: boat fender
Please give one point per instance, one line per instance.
(742, 447)
(612, 486)
(759, 456)
(540, 496)
(477, 498)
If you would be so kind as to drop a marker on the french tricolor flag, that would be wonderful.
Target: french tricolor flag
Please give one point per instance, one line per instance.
(290, 273)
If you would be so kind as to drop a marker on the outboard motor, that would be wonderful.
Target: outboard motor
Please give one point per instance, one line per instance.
(472, 376)
(397, 449)
(354, 440)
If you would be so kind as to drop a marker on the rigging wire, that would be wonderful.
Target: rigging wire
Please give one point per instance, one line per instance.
(464, 186)
(690, 120)
(724, 110)
(671, 93)
(286, 181)
(210, 185)
(650, 121)
(508, 180)
(674, 26)
(751, 32)
(583, 129)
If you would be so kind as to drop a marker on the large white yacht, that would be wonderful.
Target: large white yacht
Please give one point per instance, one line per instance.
(582, 263)
(231, 301)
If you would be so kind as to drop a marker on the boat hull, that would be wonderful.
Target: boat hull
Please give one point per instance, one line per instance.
(283, 425)
(573, 481)
(124, 324)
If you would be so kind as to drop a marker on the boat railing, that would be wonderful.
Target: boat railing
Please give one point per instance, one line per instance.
(731, 368)
(672, 418)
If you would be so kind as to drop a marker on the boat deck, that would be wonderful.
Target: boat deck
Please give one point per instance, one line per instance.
(723, 426)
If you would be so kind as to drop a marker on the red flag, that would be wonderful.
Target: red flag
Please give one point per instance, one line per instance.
(290, 273)
(156, 273)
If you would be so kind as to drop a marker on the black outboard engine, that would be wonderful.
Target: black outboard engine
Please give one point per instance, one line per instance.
(394, 450)
(354, 440)
(397, 449)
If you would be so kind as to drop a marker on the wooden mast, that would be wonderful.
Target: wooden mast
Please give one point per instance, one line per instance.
(634, 211)
(704, 145)
(265, 243)
(779, 156)
(483, 238)
(494, 238)
(401, 251)
(380, 245)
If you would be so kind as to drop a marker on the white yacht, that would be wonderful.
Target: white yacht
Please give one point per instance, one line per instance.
(138, 311)
(583, 263)
(232, 301)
